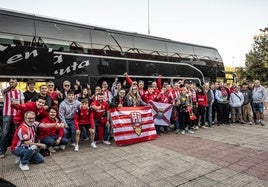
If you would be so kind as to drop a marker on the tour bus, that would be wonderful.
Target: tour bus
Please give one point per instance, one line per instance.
(41, 48)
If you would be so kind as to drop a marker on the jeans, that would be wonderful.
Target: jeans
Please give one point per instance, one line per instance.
(202, 114)
(209, 114)
(258, 107)
(7, 132)
(27, 155)
(99, 134)
(70, 132)
(50, 140)
(176, 125)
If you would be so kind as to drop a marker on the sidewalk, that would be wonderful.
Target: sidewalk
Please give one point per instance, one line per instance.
(218, 156)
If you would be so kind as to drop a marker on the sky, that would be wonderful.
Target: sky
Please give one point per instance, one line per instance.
(227, 25)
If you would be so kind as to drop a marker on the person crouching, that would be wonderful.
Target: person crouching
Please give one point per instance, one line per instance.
(23, 143)
(84, 117)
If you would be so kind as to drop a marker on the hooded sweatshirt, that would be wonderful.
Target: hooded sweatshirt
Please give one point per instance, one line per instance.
(236, 99)
(67, 110)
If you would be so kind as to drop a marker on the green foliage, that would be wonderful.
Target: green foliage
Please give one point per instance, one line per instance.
(256, 64)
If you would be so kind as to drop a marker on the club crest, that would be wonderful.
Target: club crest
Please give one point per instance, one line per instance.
(160, 113)
(136, 120)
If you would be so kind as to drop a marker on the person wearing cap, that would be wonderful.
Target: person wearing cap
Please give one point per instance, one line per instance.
(67, 111)
(236, 101)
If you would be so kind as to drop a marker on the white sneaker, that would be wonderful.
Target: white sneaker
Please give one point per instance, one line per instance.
(62, 147)
(17, 159)
(86, 139)
(204, 127)
(182, 132)
(76, 148)
(24, 167)
(73, 144)
(191, 132)
(52, 150)
(93, 144)
(56, 147)
(107, 142)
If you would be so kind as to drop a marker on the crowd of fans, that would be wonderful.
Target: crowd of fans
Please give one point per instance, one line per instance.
(40, 123)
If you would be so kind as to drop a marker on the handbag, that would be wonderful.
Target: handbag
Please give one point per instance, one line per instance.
(192, 116)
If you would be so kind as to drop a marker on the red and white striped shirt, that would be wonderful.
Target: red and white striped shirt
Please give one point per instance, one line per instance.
(23, 133)
(174, 95)
(8, 98)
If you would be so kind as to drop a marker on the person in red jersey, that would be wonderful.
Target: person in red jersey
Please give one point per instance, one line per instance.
(52, 136)
(202, 105)
(162, 97)
(10, 96)
(23, 143)
(84, 117)
(44, 93)
(101, 118)
(149, 95)
(37, 107)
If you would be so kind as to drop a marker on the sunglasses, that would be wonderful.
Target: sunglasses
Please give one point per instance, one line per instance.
(66, 85)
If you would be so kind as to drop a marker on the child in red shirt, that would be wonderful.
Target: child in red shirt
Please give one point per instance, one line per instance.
(101, 119)
(84, 117)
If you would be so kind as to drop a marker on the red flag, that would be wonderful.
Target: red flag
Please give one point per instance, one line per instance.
(161, 113)
(132, 125)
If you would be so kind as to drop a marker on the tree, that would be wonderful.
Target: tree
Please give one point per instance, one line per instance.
(256, 64)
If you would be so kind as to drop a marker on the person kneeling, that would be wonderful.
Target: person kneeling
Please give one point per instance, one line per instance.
(23, 143)
(52, 135)
(84, 117)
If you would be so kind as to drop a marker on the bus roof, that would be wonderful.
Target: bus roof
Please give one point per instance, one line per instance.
(93, 27)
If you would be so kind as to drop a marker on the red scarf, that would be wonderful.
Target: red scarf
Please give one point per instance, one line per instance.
(223, 91)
